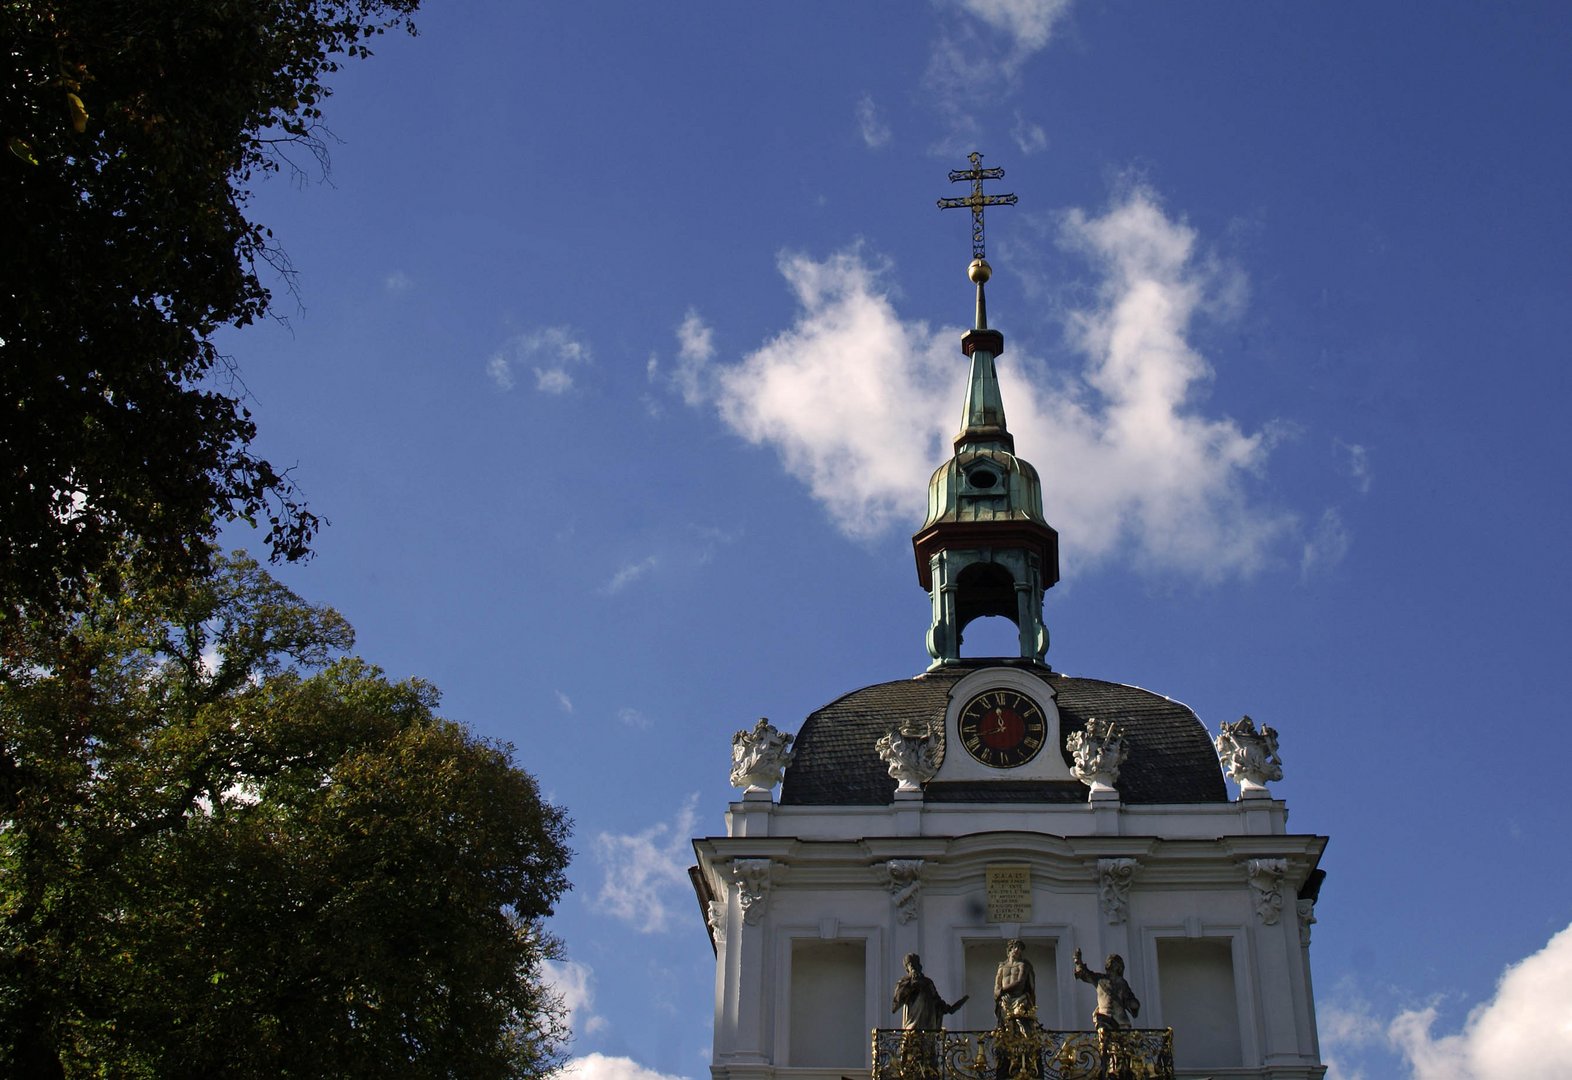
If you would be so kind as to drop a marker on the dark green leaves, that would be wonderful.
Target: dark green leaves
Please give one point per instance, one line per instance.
(227, 849)
(133, 131)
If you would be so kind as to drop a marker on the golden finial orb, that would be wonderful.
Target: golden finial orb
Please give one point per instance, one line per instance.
(979, 271)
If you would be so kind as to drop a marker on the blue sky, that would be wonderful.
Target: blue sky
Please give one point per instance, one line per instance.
(626, 338)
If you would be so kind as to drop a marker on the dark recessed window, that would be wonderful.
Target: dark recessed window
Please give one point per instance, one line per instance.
(983, 478)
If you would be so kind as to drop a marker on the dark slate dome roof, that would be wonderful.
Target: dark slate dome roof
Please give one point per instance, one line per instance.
(1171, 756)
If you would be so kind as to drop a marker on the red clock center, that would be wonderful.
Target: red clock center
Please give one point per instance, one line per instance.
(1002, 729)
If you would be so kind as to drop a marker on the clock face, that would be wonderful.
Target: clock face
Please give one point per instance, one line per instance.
(1002, 728)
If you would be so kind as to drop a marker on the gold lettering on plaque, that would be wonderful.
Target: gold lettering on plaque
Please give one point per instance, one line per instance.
(1009, 893)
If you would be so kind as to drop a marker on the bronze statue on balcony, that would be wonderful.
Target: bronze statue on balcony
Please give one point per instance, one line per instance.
(1116, 1002)
(1015, 991)
(922, 1009)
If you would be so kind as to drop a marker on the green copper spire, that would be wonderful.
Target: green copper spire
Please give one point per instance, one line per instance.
(982, 414)
(982, 421)
(985, 548)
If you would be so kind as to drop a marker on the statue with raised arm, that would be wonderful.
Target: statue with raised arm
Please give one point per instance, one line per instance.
(921, 1007)
(1116, 1002)
(922, 1016)
(1015, 990)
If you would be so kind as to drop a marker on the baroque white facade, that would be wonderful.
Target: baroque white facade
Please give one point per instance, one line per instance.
(816, 905)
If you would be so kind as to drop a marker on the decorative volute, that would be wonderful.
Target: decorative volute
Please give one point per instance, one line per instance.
(985, 548)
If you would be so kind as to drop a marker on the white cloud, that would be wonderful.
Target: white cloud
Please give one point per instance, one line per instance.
(875, 132)
(1356, 460)
(398, 282)
(673, 549)
(1523, 1033)
(553, 380)
(631, 717)
(551, 352)
(646, 872)
(601, 1067)
(1327, 546)
(564, 702)
(575, 984)
(860, 404)
(501, 371)
(951, 78)
(951, 83)
(703, 541)
(1126, 447)
(1028, 23)
(695, 340)
(695, 349)
(1030, 138)
(851, 397)
(1346, 1029)
(628, 575)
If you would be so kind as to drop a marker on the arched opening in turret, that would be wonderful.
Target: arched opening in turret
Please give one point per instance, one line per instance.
(991, 635)
(985, 594)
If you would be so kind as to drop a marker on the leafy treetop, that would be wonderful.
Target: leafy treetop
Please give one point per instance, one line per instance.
(228, 850)
(132, 133)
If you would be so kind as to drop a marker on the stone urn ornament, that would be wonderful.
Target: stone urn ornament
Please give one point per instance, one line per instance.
(1249, 757)
(912, 755)
(759, 756)
(1098, 749)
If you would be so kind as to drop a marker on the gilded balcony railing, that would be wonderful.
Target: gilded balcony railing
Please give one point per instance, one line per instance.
(1129, 1054)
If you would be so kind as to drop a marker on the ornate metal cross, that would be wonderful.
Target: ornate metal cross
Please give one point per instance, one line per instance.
(977, 200)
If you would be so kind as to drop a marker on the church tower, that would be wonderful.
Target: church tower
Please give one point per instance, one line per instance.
(991, 812)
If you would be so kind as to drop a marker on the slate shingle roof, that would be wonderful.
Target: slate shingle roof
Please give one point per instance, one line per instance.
(1171, 756)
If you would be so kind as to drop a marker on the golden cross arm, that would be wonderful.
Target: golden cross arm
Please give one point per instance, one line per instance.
(975, 173)
(977, 200)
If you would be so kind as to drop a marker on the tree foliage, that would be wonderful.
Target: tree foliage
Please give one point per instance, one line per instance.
(228, 850)
(132, 132)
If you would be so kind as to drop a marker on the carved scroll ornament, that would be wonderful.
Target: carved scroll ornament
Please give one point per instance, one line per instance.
(752, 878)
(1114, 877)
(1266, 881)
(905, 885)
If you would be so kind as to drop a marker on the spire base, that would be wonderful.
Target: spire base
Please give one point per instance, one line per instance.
(989, 340)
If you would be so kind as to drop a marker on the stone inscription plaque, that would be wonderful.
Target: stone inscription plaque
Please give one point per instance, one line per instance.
(1009, 893)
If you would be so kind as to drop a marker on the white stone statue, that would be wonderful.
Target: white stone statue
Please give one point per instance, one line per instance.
(912, 756)
(759, 756)
(1099, 749)
(1249, 756)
